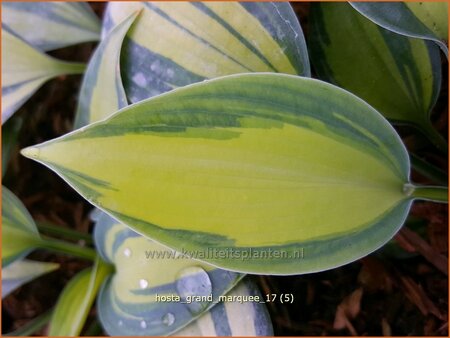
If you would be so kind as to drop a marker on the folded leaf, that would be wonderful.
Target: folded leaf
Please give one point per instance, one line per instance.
(426, 20)
(51, 25)
(19, 232)
(22, 272)
(102, 78)
(76, 300)
(399, 76)
(24, 70)
(293, 174)
(128, 303)
(233, 318)
(173, 44)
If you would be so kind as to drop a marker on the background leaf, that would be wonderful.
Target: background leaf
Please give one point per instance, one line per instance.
(19, 233)
(76, 300)
(399, 76)
(427, 20)
(233, 318)
(51, 25)
(127, 304)
(231, 146)
(102, 78)
(24, 70)
(175, 44)
(21, 272)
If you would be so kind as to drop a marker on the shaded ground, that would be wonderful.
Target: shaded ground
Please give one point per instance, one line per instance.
(400, 290)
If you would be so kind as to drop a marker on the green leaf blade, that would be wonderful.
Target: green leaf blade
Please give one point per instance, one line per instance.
(19, 232)
(24, 70)
(22, 272)
(176, 44)
(128, 305)
(76, 300)
(225, 164)
(399, 76)
(51, 25)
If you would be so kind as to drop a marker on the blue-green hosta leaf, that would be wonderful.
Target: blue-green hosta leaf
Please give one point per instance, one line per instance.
(23, 271)
(426, 20)
(128, 303)
(10, 132)
(102, 78)
(24, 70)
(19, 232)
(236, 316)
(76, 300)
(399, 76)
(173, 44)
(51, 25)
(295, 173)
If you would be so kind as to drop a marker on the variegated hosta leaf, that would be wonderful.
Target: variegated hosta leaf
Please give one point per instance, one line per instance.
(426, 20)
(399, 76)
(128, 303)
(23, 271)
(233, 318)
(51, 25)
(173, 44)
(76, 300)
(24, 70)
(19, 232)
(102, 92)
(293, 173)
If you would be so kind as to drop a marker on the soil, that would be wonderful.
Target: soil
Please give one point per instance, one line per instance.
(402, 289)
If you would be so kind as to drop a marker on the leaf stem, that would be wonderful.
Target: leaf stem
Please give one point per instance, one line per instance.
(428, 193)
(71, 67)
(55, 230)
(68, 248)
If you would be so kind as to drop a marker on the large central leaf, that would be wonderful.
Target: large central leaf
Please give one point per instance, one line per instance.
(276, 173)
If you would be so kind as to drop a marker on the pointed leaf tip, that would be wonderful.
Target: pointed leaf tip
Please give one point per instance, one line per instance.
(30, 152)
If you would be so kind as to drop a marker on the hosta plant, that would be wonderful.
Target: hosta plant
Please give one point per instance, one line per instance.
(209, 152)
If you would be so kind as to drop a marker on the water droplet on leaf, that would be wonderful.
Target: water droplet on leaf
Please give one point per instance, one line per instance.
(194, 282)
(143, 283)
(168, 319)
(127, 252)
